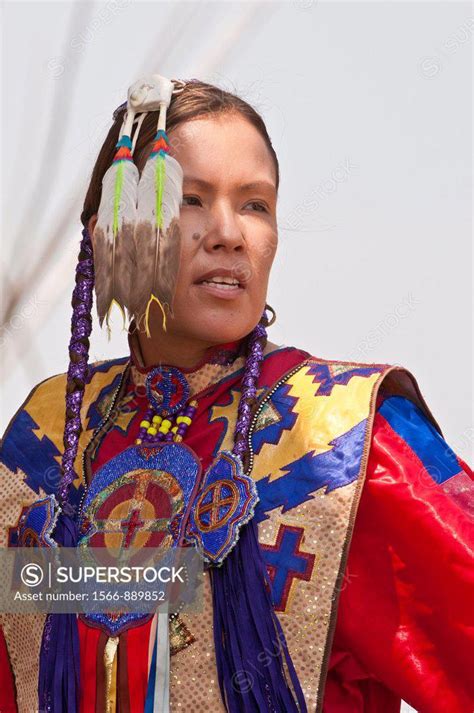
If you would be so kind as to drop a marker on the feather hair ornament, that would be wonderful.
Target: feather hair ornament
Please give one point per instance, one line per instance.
(157, 233)
(113, 233)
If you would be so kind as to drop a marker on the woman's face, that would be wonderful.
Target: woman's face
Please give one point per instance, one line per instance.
(228, 230)
(228, 227)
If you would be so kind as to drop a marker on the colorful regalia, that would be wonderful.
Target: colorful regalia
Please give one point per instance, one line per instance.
(364, 519)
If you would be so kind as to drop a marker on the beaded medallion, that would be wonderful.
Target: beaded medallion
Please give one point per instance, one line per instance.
(226, 502)
(167, 389)
(139, 499)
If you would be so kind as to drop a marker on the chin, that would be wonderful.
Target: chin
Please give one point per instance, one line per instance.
(219, 330)
(202, 315)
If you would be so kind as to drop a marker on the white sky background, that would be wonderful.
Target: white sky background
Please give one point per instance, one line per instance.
(369, 109)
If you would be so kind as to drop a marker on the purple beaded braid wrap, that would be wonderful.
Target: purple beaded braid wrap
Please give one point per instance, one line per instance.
(81, 327)
(59, 674)
(256, 346)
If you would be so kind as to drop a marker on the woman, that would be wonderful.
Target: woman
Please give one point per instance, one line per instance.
(326, 594)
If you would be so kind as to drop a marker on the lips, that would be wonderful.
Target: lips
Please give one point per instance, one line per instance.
(218, 283)
(221, 283)
(221, 277)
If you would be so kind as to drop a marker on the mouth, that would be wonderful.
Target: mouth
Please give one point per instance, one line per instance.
(221, 284)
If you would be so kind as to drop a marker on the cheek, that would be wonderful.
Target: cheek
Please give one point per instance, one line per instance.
(191, 223)
(263, 254)
(191, 233)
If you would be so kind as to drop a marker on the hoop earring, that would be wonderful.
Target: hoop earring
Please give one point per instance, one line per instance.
(273, 319)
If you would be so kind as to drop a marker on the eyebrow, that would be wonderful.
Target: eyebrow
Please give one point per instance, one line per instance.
(253, 185)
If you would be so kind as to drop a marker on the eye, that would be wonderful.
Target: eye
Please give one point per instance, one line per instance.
(258, 206)
(191, 200)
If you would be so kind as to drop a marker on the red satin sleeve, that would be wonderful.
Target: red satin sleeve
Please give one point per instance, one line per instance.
(405, 625)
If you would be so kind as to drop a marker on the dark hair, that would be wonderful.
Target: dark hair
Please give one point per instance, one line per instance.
(197, 99)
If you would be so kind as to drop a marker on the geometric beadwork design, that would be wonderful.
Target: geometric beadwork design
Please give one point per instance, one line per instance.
(38, 522)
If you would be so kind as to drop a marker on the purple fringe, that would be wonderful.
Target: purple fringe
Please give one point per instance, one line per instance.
(59, 670)
(251, 650)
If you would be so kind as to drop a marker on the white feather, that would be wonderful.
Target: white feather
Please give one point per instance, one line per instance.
(114, 255)
(157, 251)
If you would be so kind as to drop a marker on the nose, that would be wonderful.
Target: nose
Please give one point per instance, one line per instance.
(223, 230)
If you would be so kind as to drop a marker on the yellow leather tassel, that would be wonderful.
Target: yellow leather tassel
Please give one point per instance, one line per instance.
(110, 663)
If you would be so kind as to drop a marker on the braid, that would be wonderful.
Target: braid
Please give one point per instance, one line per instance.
(81, 326)
(255, 347)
